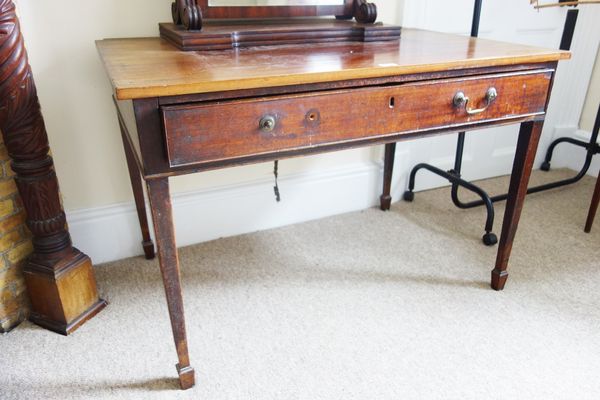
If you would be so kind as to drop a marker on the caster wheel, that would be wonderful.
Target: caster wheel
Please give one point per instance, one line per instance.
(545, 166)
(408, 196)
(490, 239)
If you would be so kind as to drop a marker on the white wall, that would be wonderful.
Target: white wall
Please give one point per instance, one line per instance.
(83, 132)
(572, 156)
(76, 97)
(592, 99)
(513, 21)
(576, 97)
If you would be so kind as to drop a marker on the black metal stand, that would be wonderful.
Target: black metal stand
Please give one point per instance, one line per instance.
(454, 175)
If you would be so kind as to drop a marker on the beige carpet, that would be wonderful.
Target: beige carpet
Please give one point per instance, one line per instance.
(367, 305)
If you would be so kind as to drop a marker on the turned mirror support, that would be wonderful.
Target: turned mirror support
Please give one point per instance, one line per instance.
(365, 12)
(188, 14)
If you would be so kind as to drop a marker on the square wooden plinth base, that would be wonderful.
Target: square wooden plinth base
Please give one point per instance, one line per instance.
(63, 294)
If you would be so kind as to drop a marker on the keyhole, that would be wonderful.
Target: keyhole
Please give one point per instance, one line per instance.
(313, 117)
(392, 102)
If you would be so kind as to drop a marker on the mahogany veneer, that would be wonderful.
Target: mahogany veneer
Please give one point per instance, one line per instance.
(195, 133)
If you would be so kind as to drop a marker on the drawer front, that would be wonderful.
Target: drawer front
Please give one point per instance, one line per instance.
(208, 132)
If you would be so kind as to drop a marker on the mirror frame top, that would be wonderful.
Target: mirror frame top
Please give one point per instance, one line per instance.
(345, 10)
(191, 13)
(187, 34)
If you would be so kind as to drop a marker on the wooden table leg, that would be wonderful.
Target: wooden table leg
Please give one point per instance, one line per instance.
(388, 169)
(529, 136)
(138, 194)
(593, 207)
(162, 216)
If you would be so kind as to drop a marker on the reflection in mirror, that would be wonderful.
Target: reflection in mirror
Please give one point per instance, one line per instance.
(250, 3)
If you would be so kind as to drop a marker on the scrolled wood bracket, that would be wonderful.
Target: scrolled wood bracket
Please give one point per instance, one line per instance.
(59, 278)
(188, 14)
(365, 12)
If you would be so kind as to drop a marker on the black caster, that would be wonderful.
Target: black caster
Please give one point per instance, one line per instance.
(408, 196)
(490, 239)
(545, 166)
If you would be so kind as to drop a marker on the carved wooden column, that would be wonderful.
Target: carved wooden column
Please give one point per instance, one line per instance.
(60, 279)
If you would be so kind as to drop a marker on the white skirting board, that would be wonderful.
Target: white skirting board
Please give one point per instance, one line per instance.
(112, 232)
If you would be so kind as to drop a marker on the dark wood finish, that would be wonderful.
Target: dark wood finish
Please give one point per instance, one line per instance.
(151, 141)
(221, 36)
(138, 192)
(346, 10)
(160, 202)
(529, 136)
(593, 207)
(388, 170)
(155, 161)
(364, 11)
(189, 15)
(322, 98)
(197, 133)
(59, 278)
(160, 163)
(127, 119)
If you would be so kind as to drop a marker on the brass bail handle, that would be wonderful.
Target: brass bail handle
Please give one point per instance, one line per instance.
(460, 101)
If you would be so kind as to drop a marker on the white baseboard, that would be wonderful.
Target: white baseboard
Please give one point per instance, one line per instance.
(112, 232)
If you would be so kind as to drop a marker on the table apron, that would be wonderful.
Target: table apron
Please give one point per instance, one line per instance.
(218, 132)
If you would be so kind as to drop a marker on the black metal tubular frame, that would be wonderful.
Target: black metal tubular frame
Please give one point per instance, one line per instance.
(454, 175)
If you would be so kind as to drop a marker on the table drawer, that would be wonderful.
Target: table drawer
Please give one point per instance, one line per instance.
(216, 131)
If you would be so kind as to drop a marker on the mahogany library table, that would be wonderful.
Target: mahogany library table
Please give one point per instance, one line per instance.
(187, 112)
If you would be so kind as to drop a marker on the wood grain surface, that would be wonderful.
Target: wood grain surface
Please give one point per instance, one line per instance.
(151, 67)
(204, 132)
(231, 35)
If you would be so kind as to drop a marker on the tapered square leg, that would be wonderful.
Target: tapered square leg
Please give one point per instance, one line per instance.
(138, 193)
(388, 170)
(529, 136)
(162, 216)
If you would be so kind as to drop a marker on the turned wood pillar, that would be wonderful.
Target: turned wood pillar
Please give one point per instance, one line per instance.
(59, 278)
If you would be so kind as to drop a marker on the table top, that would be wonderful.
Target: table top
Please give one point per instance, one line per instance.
(151, 67)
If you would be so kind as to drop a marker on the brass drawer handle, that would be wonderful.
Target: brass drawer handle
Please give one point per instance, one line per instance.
(267, 123)
(460, 101)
